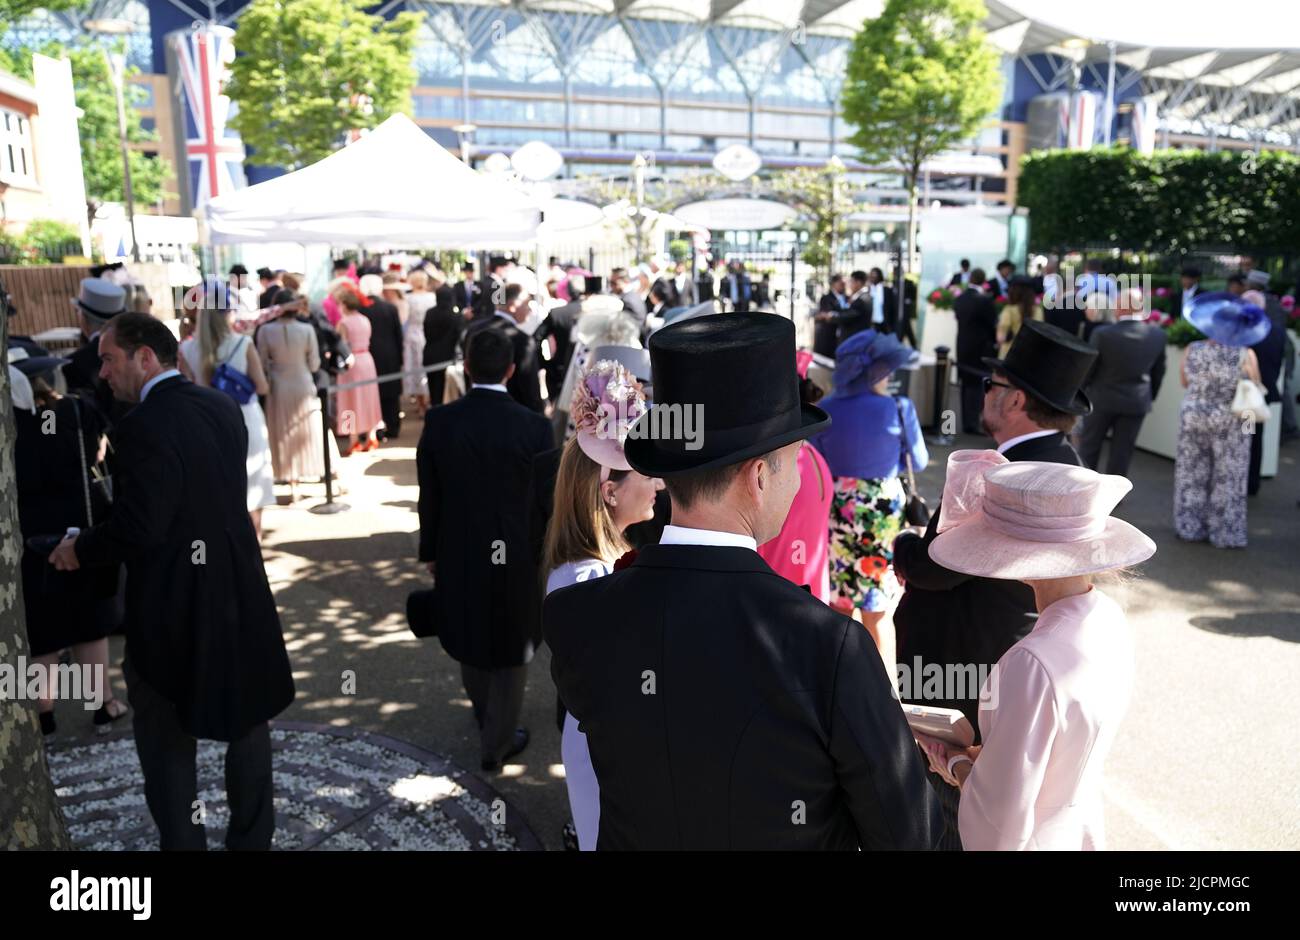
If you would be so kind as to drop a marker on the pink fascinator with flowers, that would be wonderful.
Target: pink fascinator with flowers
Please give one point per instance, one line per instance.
(606, 403)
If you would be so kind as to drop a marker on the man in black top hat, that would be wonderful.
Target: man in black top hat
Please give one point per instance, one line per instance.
(1031, 402)
(270, 281)
(725, 707)
(466, 293)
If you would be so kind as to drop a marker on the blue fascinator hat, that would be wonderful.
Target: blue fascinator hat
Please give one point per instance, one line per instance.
(1227, 319)
(866, 357)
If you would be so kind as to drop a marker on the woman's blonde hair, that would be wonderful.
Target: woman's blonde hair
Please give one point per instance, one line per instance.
(581, 526)
(212, 330)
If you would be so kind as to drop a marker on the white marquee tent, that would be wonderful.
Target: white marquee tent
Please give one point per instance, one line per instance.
(395, 186)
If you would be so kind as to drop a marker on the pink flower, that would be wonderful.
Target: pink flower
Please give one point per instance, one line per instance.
(1162, 292)
(1287, 301)
(936, 295)
(846, 511)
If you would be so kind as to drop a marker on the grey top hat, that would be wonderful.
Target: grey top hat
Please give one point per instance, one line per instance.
(1257, 278)
(100, 298)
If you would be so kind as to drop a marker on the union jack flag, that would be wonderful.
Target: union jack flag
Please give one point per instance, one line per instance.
(213, 151)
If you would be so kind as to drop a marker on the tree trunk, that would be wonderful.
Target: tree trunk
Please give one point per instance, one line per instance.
(30, 817)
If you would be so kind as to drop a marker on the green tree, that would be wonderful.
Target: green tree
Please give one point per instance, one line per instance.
(919, 79)
(101, 148)
(310, 71)
(823, 197)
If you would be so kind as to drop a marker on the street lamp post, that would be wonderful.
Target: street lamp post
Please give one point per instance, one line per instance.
(117, 71)
(836, 166)
(463, 131)
(638, 215)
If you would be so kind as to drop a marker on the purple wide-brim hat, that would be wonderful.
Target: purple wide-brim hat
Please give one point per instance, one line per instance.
(1228, 320)
(1032, 521)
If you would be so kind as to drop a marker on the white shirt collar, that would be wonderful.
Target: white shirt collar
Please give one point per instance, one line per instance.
(491, 388)
(681, 535)
(1007, 445)
(167, 374)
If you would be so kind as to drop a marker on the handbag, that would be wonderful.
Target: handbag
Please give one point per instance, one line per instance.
(915, 510)
(1249, 400)
(226, 378)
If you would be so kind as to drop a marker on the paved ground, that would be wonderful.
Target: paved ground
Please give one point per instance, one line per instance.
(1206, 758)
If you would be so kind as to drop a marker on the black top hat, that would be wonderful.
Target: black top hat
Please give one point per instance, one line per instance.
(1049, 364)
(730, 381)
(265, 273)
(238, 269)
(592, 284)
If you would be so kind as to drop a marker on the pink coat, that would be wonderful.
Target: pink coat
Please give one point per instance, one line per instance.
(800, 552)
(1048, 716)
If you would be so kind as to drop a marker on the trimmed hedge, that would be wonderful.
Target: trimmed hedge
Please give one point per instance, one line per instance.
(1172, 200)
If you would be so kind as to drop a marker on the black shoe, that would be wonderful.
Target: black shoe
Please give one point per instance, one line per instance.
(47, 723)
(104, 718)
(521, 742)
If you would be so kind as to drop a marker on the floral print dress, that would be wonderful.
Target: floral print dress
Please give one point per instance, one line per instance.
(866, 515)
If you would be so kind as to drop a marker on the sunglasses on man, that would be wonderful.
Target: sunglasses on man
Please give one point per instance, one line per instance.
(989, 382)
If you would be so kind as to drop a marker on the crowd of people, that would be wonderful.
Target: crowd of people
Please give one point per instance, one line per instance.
(613, 467)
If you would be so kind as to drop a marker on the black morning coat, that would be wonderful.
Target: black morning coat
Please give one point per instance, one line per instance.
(947, 618)
(474, 462)
(727, 708)
(202, 627)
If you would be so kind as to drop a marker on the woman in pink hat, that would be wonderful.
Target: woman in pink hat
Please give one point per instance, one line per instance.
(597, 496)
(1050, 709)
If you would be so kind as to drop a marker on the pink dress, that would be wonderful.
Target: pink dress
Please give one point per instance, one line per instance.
(1048, 716)
(799, 553)
(357, 411)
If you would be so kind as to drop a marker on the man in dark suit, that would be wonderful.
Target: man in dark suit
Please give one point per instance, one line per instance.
(443, 327)
(1031, 402)
(473, 465)
(1190, 286)
(724, 707)
(1124, 382)
(491, 292)
(205, 657)
(977, 328)
(622, 287)
(386, 348)
(962, 277)
(1001, 281)
(687, 295)
(524, 383)
(1269, 352)
(882, 302)
(825, 333)
(555, 332)
(736, 289)
(465, 293)
(856, 314)
(271, 285)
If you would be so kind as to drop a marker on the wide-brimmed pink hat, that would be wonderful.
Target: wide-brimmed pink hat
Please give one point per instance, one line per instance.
(1031, 521)
(606, 403)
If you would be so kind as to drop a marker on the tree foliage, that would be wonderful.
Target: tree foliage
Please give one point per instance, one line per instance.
(824, 199)
(310, 71)
(1172, 200)
(919, 79)
(101, 149)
